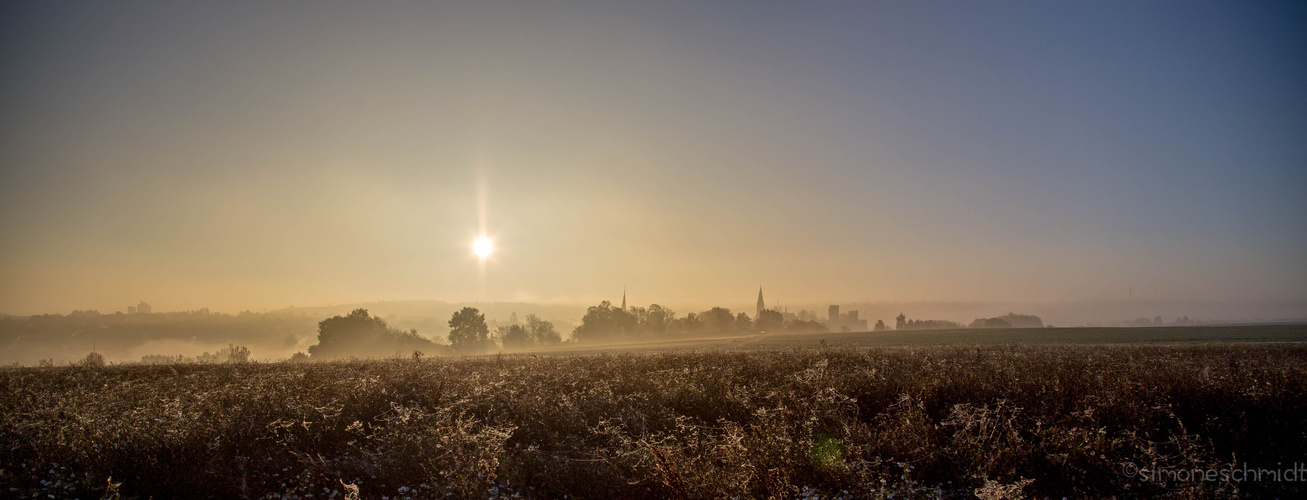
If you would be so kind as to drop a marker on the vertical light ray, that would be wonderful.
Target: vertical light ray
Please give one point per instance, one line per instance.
(481, 223)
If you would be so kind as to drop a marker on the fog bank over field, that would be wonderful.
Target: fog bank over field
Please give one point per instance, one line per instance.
(1088, 313)
(434, 314)
(278, 334)
(1085, 313)
(270, 335)
(425, 313)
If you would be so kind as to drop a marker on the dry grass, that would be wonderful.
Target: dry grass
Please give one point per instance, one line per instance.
(841, 422)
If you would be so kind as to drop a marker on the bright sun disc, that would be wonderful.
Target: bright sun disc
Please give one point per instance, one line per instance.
(483, 246)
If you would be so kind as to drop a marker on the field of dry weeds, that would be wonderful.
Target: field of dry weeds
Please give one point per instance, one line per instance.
(935, 422)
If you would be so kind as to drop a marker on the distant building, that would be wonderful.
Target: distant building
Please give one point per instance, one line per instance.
(141, 308)
(761, 305)
(836, 321)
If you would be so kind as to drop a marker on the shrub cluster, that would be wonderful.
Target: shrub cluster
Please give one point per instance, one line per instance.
(231, 354)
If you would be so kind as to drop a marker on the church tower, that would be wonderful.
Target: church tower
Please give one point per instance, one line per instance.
(623, 298)
(761, 305)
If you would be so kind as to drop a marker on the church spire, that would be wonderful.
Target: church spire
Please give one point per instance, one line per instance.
(761, 305)
(623, 298)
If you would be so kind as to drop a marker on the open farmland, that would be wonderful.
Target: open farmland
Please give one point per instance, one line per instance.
(1046, 421)
(961, 336)
(1073, 335)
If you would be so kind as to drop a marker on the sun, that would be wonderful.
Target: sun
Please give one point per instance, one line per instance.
(483, 246)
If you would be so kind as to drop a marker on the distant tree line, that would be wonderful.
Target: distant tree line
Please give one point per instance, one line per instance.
(604, 322)
(903, 323)
(359, 334)
(1009, 320)
(536, 332)
(469, 334)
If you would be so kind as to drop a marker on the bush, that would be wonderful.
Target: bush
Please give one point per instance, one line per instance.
(230, 354)
(163, 359)
(92, 360)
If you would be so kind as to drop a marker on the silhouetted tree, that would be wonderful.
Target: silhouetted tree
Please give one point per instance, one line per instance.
(654, 321)
(515, 337)
(691, 324)
(880, 326)
(604, 322)
(541, 332)
(742, 322)
(345, 335)
(900, 321)
(359, 334)
(768, 321)
(468, 331)
(718, 319)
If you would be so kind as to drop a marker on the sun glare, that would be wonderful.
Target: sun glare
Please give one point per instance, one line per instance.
(483, 246)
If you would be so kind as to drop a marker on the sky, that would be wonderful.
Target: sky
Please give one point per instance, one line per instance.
(259, 155)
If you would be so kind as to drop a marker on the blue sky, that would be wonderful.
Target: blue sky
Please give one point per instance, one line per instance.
(244, 155)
